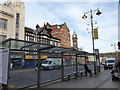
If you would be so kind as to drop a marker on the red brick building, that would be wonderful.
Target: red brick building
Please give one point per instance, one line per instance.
(61, 32)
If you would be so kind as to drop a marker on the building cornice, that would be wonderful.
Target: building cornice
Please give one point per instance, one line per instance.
(6, 13)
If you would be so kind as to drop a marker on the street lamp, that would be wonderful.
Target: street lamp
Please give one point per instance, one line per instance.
(38, 54)
(92, 30)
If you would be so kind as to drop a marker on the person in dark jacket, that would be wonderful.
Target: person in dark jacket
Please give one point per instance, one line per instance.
(119, 65)
(105, 66)
(87, 70)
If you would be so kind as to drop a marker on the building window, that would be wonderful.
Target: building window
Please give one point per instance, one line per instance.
(31, 38)
(2, 37)
(50, 42)
(16, 35)
(17, 20)
(53, 43)
(3, 23)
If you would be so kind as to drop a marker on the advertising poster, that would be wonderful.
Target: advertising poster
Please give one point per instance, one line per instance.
(4, 56)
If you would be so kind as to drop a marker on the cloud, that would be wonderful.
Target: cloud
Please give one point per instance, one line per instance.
(71, 0)
(71, 13)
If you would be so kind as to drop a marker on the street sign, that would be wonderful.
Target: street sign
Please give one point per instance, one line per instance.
(96, 51)
(35, 57)
(4, 56)
(67, 57)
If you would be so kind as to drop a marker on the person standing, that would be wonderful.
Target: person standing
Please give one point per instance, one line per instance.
(105, 65)
(87, 70)
(36, 68)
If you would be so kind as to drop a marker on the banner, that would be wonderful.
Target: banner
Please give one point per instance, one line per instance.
(67, 57)
(35, 57)
(4, 56)
(96, 33)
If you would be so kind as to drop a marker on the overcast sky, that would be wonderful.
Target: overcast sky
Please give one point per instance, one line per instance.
(71, 12)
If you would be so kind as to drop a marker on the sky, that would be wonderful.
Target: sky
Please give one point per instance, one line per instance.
(71, 12)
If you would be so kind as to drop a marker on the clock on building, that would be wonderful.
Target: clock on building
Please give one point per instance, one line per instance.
(74, 35)
(74, 43)
(75, 40)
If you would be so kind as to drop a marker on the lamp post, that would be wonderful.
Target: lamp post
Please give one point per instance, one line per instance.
(39, 55)
(91, 12)
(39, 60)
(35, 39)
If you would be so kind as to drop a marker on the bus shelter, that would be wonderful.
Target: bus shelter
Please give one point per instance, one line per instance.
(20, 49)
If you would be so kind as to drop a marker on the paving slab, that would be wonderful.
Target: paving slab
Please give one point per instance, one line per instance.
(101, 80)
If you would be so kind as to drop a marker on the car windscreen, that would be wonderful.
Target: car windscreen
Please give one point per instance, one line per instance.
(111, 61)
(45, 62)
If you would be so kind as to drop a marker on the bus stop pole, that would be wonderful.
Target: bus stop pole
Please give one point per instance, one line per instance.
(99, 63)
(76, 66)
(62, 67)
(39, 70)
(85, 58)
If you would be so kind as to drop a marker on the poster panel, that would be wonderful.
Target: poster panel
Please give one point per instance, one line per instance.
(4, 56)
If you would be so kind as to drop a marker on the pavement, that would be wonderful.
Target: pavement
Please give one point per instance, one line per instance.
(101, 80)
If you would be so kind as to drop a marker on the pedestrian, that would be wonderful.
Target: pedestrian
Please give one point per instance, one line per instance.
(105, 66)
(119, 65)
(36, 68)
(87, 70)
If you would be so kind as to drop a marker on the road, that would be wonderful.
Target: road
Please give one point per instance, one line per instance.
(26, 77)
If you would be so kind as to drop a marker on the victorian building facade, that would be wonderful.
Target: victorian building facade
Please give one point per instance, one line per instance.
(41, 35)
(61, 32)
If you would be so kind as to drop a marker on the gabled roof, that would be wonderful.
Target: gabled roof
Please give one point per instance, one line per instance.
(54, 26)
(27, 29)
(46, 32)
(43, 31)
